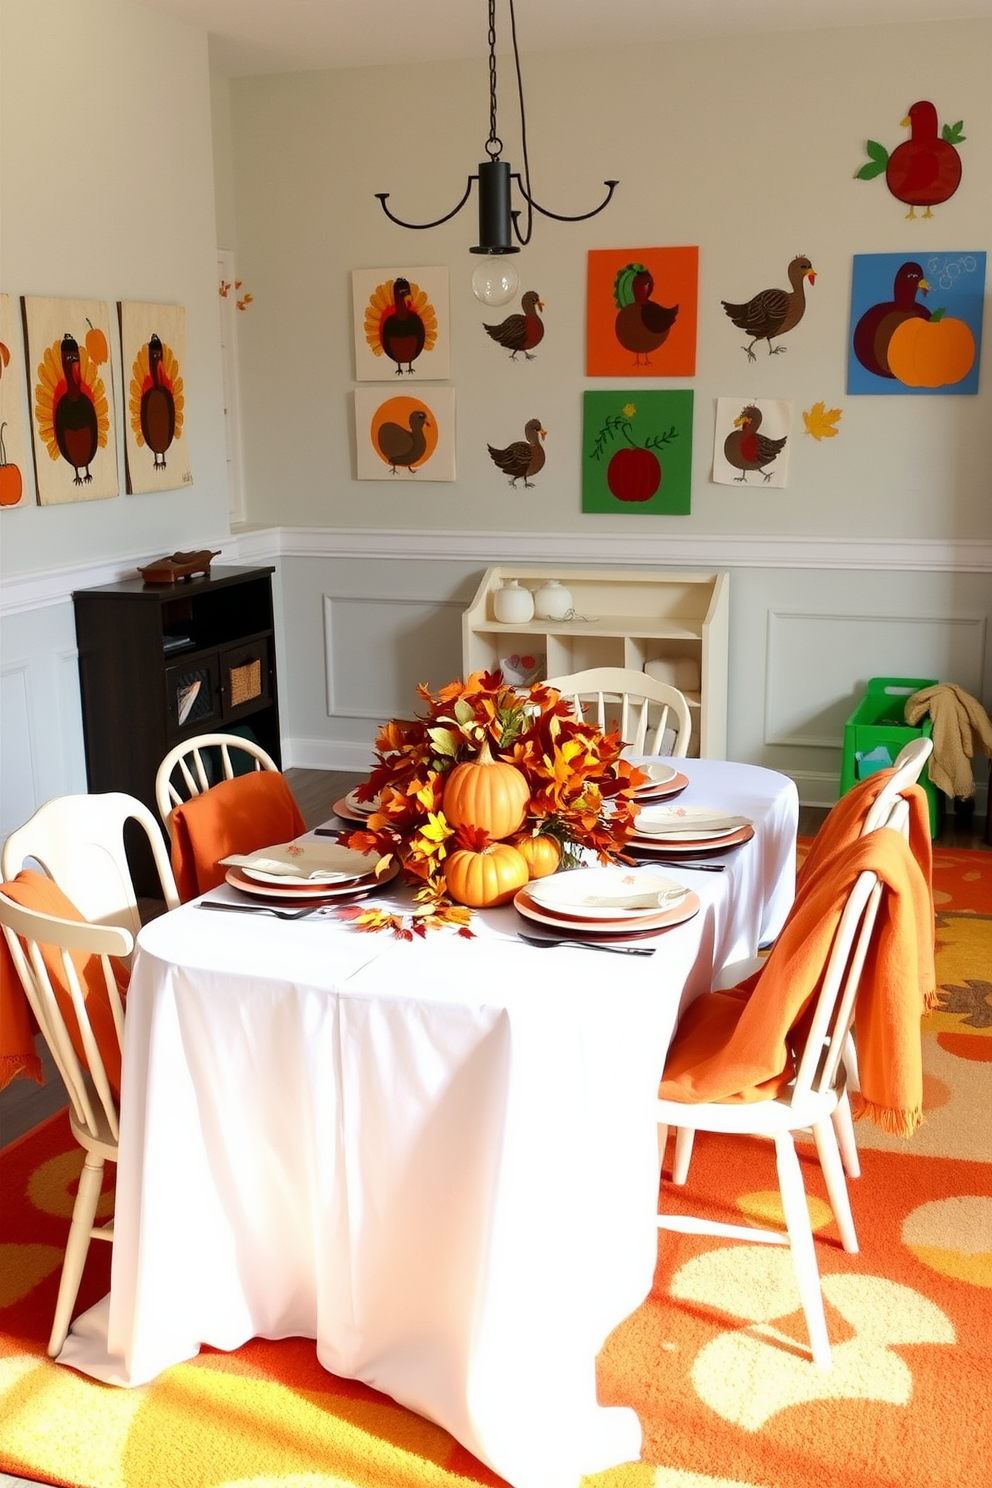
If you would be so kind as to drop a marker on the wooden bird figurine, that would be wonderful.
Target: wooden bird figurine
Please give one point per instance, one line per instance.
(523, 458)
(403, 332)
(746, 449)
(399, 446)
(773, 312)
(521, 332)
(641, 324)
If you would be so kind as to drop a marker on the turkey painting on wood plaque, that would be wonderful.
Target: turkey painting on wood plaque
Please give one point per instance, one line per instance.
(67, 355)
(401, 324)
(916, 322)
(641, 312)
(637, 452)
(153, 348)
(401, 437)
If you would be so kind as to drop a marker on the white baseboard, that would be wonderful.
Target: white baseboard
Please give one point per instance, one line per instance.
(326, 754)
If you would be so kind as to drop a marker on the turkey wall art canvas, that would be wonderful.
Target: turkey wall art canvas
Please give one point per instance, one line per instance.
(153, 352)
(637, 452)
(16, 477)
(405, 438)
(402, 329)
(641, 308)
(925, 169)
(751, 447)
(916, 322)
(67, 351)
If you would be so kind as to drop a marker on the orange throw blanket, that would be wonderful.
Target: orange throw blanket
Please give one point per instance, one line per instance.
(739, 1045)
(845, 820)
(35, 891)
(234, 816)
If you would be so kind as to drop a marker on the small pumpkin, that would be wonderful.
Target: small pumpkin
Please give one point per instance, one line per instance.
(11, 486)
(540, 851)
(489, 794)
(96, 344)
(931, 353)
(481, 877)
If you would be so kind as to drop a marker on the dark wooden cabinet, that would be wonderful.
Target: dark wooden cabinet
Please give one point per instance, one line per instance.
(159, 663)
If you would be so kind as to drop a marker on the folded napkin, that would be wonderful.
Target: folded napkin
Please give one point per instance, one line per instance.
(703, 821)
(653, 899)
(235, 816)
(278, 869)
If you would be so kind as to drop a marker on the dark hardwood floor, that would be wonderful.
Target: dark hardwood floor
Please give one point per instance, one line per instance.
(23, 1104)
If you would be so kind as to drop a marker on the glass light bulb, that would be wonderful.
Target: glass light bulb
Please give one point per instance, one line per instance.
(495, 281)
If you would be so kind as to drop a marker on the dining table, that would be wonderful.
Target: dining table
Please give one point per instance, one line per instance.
(437, 1157)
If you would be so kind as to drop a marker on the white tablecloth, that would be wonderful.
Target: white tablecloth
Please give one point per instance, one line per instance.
(436, 1158)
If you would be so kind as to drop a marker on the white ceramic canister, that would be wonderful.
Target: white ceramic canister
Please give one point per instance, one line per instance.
(552, 601)
(512, 603)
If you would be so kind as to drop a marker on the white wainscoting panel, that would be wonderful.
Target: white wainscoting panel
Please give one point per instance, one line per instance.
(17, 782)
(378, 650)
(811, 659)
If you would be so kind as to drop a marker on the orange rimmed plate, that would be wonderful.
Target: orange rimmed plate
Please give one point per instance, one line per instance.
(648, 922)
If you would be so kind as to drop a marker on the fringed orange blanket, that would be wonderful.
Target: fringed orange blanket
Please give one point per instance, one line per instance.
(234, 816)
(35, 891)
(846, 819)
(738, 1045)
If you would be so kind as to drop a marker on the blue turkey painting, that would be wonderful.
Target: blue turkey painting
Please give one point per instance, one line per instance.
(916, 323)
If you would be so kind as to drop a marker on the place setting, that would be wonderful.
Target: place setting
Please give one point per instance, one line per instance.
(608, 908)
(688, 831)
(664, 782)
(294, 879)
(351, 809)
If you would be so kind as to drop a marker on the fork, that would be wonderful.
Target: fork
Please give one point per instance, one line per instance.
(257, 909)
(544, 942)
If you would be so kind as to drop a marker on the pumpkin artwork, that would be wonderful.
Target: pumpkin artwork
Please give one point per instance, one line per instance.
(541, 853)
(931, 353)
(485, 876)
(11, 487)
(487, 794)
(96, 344)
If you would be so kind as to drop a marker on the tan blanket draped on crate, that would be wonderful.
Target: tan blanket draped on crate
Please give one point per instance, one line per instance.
(958, 720)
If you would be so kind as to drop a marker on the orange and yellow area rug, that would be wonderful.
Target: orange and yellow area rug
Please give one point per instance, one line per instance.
(714, 1361)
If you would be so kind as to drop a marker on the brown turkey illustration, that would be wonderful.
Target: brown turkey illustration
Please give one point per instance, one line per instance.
(399, 446)
(523, 458)
(76, 426)
(746, 449)
(158, 408)
(521, 332)
(773, 312)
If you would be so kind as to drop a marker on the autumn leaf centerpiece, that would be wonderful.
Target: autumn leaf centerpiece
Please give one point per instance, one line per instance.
(492, 786)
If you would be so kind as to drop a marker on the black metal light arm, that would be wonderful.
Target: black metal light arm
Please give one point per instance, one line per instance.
(582, 216)
(383, 196)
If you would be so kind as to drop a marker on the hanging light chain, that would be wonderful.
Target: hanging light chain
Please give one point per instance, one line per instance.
(494, 145)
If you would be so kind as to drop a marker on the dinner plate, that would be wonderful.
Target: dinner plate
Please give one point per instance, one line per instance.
(349, 813)
(364, 808)
(311, 857)
(695, 846)
(662, 792)
(646, 923)
(568, 894)
(657, 775)
(238, 879)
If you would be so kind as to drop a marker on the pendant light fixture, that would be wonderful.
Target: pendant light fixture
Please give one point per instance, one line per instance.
(495, 281)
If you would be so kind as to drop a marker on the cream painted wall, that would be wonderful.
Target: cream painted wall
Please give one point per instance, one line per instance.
(746, 146)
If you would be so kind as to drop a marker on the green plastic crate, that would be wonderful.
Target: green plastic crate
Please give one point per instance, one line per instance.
(877, 730)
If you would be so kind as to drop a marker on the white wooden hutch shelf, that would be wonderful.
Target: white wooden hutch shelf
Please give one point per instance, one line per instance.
(620, 618)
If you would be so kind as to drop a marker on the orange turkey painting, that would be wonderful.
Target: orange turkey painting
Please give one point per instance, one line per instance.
(153, 346)
(641, 312)
(405, 438)
(67, 350)
(401, 324)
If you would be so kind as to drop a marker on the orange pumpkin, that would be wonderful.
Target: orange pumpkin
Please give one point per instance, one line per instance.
(11, 486)
(96, 344)
(540, 852)
(931, 353)
(486, 877)
(489, 794)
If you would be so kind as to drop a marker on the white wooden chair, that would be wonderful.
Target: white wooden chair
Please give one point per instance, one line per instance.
(194, 763)
(93, 1109)
(648, 709)
(814, 1096)
(79, 842)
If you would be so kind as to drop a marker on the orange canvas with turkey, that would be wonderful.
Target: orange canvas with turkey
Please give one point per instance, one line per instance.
(73, 443)
(641, 312)
(405, 438)
(401, 324)
(153, 350)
